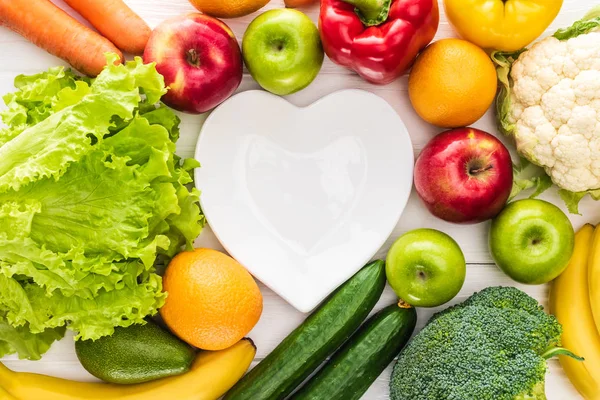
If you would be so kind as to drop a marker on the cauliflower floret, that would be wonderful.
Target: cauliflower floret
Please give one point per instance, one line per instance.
(556, 109)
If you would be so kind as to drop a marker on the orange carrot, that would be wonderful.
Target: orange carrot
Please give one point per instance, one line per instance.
(52, 29)
(116, 21)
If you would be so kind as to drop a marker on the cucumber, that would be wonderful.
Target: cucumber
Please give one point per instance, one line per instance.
(286, 367)
(358, 363)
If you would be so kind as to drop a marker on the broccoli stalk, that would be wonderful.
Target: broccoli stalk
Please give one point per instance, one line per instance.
(494, 346)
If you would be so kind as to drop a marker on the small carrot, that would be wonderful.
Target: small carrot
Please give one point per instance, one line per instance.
(116, 21)
(52, 29)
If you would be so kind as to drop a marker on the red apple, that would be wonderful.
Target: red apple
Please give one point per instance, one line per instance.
(464, 175)
(200, 59)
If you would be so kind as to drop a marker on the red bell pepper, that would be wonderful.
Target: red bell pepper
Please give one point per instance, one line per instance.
(379, 39)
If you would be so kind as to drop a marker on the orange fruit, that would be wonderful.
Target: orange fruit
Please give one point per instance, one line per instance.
(212, 301)
(452, 84)
(228, 8)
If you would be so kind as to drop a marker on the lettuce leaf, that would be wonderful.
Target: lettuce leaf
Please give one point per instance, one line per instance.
(27, 345)
(46, 148)
(91, 192)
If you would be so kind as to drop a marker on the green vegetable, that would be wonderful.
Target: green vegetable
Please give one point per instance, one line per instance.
(311, 343)
(354, 367)
(90, 193)
(494, 346)
(138, 353)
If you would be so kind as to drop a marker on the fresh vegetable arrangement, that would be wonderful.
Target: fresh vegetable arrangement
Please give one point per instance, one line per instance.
(91, 193)
(94, 202)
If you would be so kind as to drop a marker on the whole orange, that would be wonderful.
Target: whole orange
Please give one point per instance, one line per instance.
(212, 301)
(452, 84)
(228, 8)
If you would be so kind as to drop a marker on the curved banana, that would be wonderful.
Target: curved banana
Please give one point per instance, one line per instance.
(211, 375)
(570, 303)
(594, 278)
(4, 395)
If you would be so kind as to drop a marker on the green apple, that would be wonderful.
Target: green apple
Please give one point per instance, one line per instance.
(426, 268)
(532, 241)
(282, 50)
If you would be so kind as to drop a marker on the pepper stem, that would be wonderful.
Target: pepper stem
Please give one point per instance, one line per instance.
(371, 12)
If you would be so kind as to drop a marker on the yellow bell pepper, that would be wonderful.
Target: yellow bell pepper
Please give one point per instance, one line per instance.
(506, 25)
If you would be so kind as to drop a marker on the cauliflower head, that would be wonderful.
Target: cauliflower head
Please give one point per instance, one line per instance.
(550, 103)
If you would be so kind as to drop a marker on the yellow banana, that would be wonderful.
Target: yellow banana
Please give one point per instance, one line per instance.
(4, 395)
(594, 278)
(570, 303)
(211, 375)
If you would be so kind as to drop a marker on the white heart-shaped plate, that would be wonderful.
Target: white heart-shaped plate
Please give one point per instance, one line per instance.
(303, 197)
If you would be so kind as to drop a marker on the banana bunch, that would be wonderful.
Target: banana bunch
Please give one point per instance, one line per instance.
(575, 301)
(212, 374)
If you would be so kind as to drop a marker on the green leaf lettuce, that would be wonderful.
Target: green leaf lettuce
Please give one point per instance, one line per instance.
(91, 193)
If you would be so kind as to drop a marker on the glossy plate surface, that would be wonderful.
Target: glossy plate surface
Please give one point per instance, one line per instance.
(303, 197)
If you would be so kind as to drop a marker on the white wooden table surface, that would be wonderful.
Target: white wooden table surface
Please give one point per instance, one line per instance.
(279, 318)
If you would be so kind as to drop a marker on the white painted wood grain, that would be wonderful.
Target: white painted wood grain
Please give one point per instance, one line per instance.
(19, 56)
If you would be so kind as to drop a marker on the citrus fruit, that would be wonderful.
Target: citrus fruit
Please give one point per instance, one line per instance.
(452, 84)
(228, 8)
(212, 302)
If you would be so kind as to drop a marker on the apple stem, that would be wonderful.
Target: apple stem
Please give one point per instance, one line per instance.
(477, 171)
(371, 12)
(193, 58)
(403, 304)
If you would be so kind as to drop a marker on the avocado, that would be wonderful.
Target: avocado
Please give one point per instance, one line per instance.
(138, 353)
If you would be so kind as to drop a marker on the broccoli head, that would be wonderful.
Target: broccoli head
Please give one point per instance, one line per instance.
(494, 346)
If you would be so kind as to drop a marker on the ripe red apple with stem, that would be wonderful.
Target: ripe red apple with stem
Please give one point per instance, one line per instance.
(200, 59)
(464, 175)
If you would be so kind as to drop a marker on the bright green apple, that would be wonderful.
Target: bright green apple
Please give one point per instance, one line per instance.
(532, 241)
(426, 268)
(282, 50)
